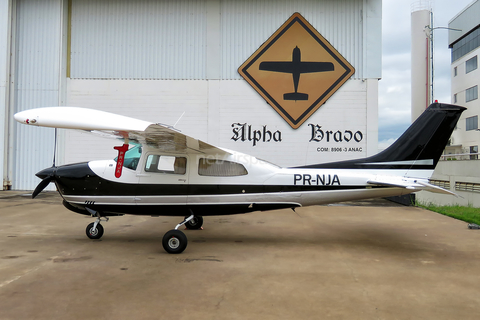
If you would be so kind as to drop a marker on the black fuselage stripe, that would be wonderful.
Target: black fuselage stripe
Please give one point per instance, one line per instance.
(98, 187)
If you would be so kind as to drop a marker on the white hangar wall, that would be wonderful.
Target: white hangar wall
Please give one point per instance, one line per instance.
(4, 61)
(155, 60)
(34, 46)
(208, 39)
(169, 44)
(212, 107)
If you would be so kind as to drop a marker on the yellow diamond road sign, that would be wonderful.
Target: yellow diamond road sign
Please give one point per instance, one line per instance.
(296, 70)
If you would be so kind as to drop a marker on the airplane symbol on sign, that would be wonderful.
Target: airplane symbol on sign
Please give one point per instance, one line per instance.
(296, 67)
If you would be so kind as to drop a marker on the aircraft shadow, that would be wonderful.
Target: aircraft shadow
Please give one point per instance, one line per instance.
(361, 239)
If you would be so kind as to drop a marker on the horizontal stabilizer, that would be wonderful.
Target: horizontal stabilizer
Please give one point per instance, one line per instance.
(295, 96)
(437, 189)
(409, 183)
(394, 183)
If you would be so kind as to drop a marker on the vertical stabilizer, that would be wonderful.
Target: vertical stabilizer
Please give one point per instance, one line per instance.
(419, 147)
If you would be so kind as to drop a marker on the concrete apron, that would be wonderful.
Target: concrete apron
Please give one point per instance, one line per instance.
(341, 262)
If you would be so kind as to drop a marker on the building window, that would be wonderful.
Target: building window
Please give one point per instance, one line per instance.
(455, 72)
(467, 186)
(455, 98)
(471, 94)
(474, 149)
(471, 64)
(472, 123)
(466, 44)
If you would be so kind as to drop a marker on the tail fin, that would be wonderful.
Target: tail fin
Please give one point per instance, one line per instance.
(420, 147)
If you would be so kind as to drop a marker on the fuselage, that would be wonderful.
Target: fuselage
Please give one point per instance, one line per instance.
(154, 183)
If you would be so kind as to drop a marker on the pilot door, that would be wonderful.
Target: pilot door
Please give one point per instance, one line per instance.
(163, 180)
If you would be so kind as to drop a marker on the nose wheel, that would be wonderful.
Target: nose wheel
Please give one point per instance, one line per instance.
(94, 231)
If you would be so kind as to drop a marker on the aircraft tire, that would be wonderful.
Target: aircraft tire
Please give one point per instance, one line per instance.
(94, 234)
(174, 241)
(195, 224)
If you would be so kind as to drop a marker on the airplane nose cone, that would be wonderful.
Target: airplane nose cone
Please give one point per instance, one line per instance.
(74, 171)
(46, 172)
(68, 178)
(71, 171)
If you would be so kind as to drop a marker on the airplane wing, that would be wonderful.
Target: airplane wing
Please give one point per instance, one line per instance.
(408, 183)
(277, 66)
(302, 67)
(116, 126)
(171, 140)
(308, 67)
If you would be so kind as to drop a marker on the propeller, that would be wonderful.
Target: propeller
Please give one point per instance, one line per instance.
(47, 175)
(42, 185)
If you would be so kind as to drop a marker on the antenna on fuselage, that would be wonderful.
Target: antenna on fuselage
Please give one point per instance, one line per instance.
(172, 127)
(54, 148)
(179, 119)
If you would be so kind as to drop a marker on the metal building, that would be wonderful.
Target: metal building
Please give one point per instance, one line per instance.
(459, 170)
(465, 45)
(421, 57)
(176, 62)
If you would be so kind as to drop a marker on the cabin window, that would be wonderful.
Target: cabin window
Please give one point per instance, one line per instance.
(132, 157)
(166, 164)
(220, 168)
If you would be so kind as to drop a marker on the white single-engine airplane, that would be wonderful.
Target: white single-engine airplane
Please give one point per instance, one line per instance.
(171, 174)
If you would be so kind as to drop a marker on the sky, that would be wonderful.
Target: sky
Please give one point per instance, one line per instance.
(394, 87)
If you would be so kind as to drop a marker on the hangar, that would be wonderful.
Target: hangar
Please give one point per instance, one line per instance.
(179, 63)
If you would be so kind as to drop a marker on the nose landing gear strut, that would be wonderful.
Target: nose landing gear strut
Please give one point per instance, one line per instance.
(95, 229)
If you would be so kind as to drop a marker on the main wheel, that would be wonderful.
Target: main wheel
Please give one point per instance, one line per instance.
(195, 224)
(174, 241)
(96, 233)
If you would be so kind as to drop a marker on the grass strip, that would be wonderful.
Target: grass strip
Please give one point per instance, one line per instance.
(467, 214)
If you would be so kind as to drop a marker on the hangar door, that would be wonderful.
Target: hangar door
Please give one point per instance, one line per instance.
(36, 30)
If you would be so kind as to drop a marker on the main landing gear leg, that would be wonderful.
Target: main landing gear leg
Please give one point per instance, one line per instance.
(175, 241)
(195, 223)
(95, 229)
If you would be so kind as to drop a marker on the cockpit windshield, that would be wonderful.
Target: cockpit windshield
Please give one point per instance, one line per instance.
(132, 157)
